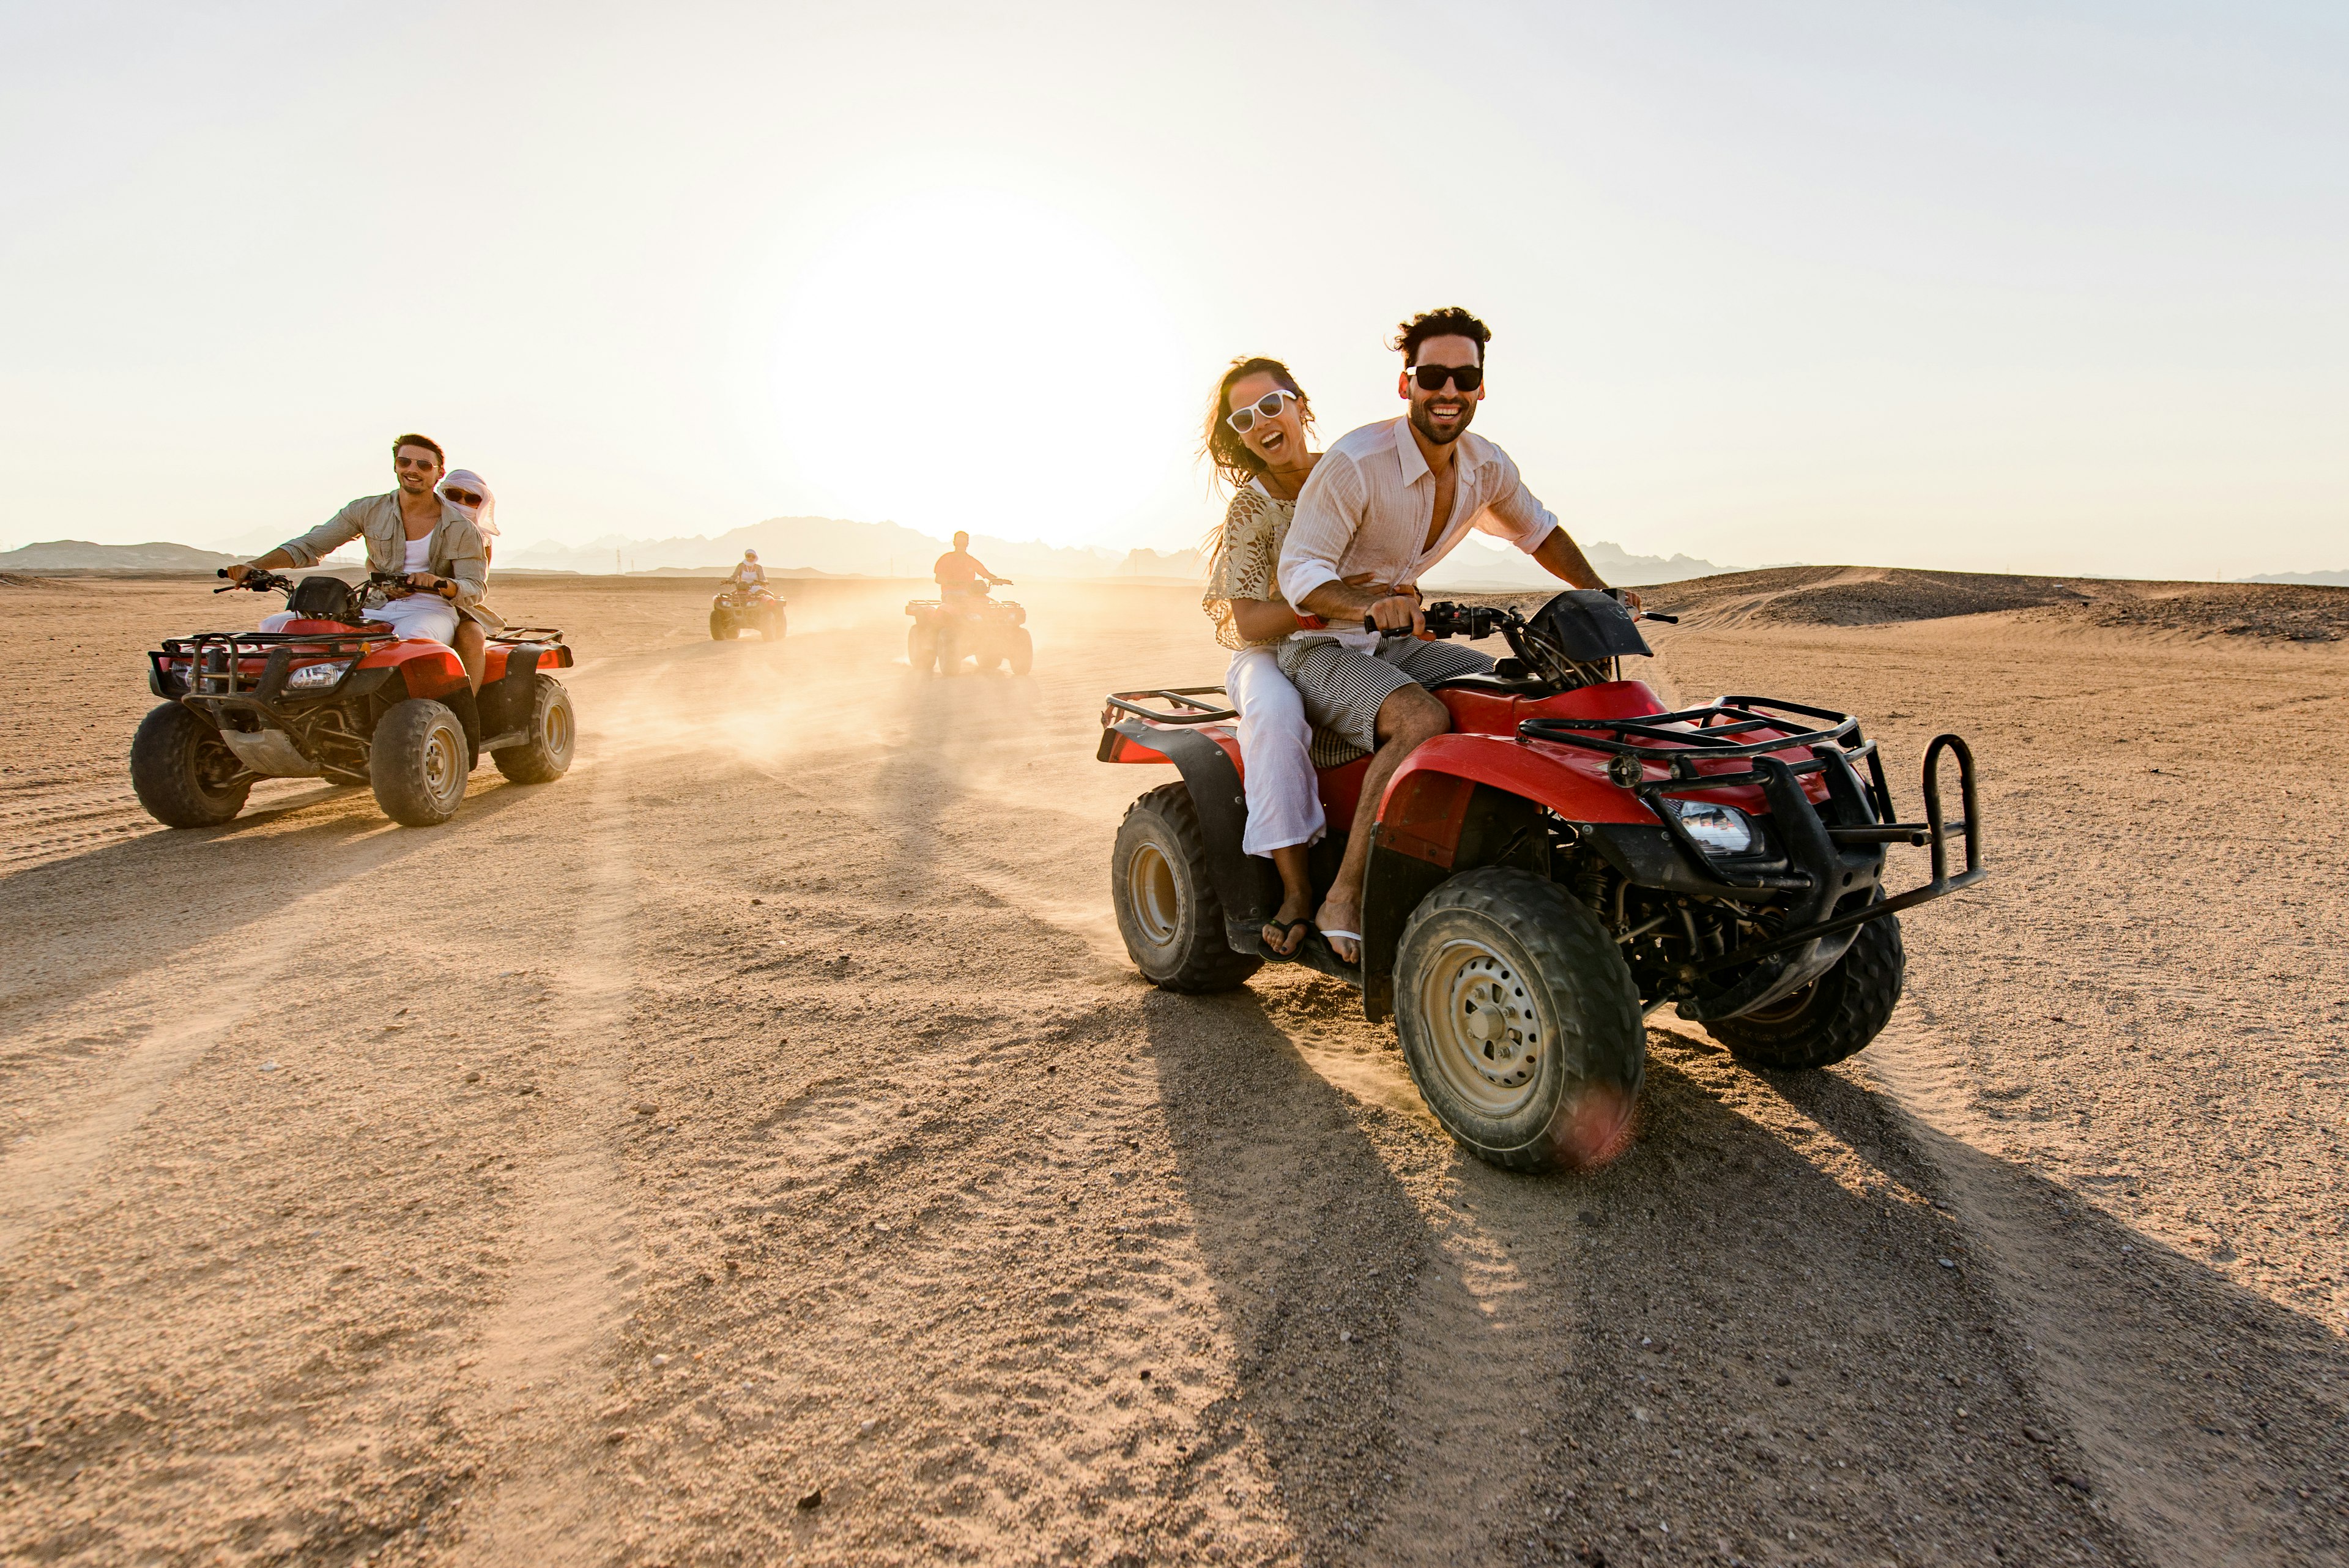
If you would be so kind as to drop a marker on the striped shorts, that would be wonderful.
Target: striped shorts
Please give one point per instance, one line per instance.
(1343, 687)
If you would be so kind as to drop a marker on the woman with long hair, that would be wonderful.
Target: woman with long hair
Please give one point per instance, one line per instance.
(1256, 440)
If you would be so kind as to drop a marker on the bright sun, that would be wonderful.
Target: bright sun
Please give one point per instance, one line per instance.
(973, 359)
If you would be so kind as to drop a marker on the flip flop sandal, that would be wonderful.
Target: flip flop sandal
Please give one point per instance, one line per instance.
(1353, 937)
(1284, 928)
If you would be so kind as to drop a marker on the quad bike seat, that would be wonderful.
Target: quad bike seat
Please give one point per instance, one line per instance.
(1497, 683)
(324, 598)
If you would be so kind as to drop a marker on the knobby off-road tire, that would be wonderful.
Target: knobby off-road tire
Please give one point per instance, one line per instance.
(1833, 1017)
(1166, 904)
(184, 774)
(922, 648)
(771, 628)
(1520, 1022)
(553, 728)
(1020, 651)
(420, 763)
(954, 647)
(722, 627)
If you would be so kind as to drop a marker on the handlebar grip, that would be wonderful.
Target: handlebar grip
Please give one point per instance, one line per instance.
(1370, 622)
(1667, 619)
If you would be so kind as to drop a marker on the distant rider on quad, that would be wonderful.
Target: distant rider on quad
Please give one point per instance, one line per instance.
(419, 537)
(747, 573)
(1386, 503)
(962, 580)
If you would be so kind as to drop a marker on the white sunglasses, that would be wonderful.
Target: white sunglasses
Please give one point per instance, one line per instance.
(1265, 407)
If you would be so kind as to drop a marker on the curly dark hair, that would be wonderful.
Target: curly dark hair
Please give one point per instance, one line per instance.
(1235, 462)
(1449, 322)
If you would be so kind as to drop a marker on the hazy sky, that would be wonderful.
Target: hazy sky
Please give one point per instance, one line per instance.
(1995, 285)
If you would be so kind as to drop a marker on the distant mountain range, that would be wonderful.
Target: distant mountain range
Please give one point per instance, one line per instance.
(830, 546)
(824, 546)
(79, 555)
(2323, 579)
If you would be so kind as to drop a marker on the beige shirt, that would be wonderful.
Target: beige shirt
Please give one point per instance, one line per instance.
(456, 548)
(1365, 511)
(1246, 560)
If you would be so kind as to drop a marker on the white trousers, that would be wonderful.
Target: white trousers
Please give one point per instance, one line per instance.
(419, 615)
(1284, 797)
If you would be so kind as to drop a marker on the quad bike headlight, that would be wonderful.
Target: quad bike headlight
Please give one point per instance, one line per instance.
(317, 676)
(1717, 829)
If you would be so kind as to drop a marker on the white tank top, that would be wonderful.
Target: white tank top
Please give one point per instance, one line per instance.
(420, 554)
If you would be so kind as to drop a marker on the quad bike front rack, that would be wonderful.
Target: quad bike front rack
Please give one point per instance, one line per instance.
(214, 659)
(1722, 732)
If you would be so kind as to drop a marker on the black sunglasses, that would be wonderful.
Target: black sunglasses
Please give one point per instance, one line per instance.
(1431, 378)
(462, 497)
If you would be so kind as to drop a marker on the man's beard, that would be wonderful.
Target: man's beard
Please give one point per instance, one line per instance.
(1421, 421)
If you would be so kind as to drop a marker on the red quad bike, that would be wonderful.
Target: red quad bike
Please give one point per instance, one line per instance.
(1568, 860)
(737, 607)
(334, 696)
(989, 632)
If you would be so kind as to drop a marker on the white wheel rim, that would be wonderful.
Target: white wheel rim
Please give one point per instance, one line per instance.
(1487, 1034)
(1151, 896)
(442, 777)
(558, 730)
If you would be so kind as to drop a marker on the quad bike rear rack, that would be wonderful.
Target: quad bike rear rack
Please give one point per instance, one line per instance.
(1185, 711)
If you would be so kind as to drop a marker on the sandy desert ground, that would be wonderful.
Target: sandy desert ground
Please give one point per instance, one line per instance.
(754, 1147)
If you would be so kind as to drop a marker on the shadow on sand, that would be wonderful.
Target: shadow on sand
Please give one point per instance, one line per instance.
(1757, 1334)
(116, 911)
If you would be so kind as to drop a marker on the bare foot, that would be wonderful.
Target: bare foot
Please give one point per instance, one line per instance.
(1335, 918)
(1286, 941)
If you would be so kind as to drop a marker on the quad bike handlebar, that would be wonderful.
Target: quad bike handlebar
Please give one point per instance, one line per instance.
(258, 582)
(1476, 622)
(399, 580)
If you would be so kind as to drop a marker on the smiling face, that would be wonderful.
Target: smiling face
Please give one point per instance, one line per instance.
(416, 468)
(1443, 415)
(1279, 441)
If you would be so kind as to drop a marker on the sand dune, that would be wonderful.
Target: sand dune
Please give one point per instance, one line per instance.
(1883, 596)
(755, 1148)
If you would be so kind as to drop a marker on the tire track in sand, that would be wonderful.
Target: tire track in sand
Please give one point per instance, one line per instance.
(47, 1172)
(543, 1354)
(2197, 1468)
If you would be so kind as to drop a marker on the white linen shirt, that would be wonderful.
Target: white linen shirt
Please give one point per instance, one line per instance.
(1366, 507)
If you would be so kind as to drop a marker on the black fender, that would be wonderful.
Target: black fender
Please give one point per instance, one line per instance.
(1246, 885)
(504, 703)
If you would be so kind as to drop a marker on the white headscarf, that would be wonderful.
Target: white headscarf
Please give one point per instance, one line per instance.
(484, 516)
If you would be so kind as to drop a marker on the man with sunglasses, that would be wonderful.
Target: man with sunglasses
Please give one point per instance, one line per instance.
(1386, 503)
(423, 538)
